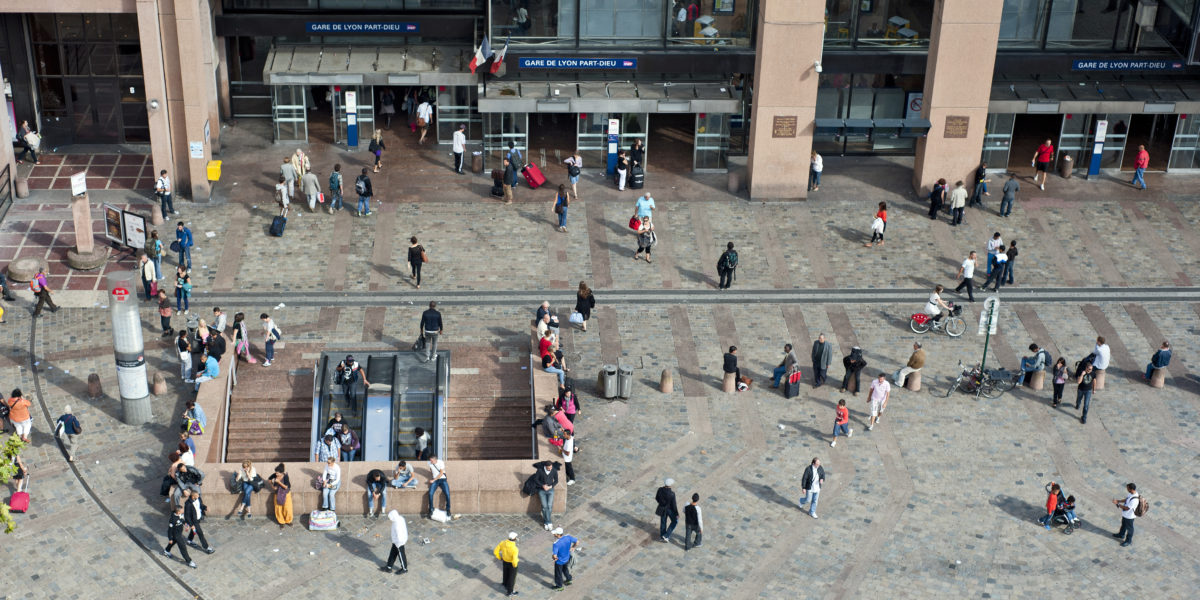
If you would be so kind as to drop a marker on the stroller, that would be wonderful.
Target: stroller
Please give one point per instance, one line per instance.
(1064, 512)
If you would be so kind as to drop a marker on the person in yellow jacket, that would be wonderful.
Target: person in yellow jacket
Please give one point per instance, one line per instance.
(506, 552)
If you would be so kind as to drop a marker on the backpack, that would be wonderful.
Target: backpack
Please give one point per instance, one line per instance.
(360, 186)
(1142, 508)
(373, 146)
(335, 181)
(4, 410)
(1082, 364)
(729, 261)
(573, 170)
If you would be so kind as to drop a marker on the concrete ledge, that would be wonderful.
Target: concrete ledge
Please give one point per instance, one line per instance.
(91, 260)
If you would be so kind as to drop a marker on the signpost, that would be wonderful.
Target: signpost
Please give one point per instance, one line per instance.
(351, 119)
(988, 318)
(614, 131)
(1097, 148)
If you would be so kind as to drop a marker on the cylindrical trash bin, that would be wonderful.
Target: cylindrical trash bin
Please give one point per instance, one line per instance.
(609, 377)
(1065, 166)
(193, 325)
(625, 381)
(477, 162)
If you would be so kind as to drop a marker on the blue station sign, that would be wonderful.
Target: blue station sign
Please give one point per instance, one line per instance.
(354, 27)
(1127, 65)
(576, 63)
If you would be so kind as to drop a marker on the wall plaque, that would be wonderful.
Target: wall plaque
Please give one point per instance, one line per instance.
(956, 127)
(784, 127)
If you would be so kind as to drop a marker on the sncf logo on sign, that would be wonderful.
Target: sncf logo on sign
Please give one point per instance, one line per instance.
(121, 294)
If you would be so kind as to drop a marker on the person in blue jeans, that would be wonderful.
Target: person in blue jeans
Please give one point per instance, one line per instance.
(272, 336)
(1012, 259)
(331, 481)
(335, 188)
(245, 477)
(403, 476)
(183, 235)
(560, 206)
(438, 481)
(1160, 360)
(1051, 506)
(667, 510)
(1083, 394)
(376, 488)
(810, 483)
(362, 187)
(787, 366)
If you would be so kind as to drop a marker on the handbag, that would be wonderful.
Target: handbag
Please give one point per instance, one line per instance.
(33, 139)
(321, 197)
(635, 223)
(420, 122)
(424, 257)
(576, 318)
(175, 247)
(194, 427)
(558, 208)
(794, 377)
(281, 496)
(257, 482)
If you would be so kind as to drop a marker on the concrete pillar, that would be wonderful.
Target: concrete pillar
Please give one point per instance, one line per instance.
(213, 62)
(154, 77)
(790, 38)
(223, 92)
(8, 154)
(958, 85)
(129, 348)
(195, 53)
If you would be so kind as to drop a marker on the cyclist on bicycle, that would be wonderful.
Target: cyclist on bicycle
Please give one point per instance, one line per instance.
(936, 307)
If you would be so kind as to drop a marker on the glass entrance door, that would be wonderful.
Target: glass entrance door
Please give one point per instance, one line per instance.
(592, 135)
(1075, 140)
(1185, 148)
(1114, 140)
(364, 99)
(501, 128)
(288, 113)
(712, 143)
(456, 106)
(997, 140)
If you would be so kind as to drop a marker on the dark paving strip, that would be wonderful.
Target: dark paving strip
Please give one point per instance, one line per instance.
(381, 252)
(685, 353)
(666, 260)
(152, 552)
(597, 230)
(231, 251)
(781, 277)
(810, 245)
(702, 237)
(335, 273)
(1148, 236)
(604, 319)
(1049, 244)
(373, 324)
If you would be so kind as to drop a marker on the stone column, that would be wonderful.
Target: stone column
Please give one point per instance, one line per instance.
(129, 348)
(8, 154)
(154, 76)
(86, 256)
(790, 39)
(958, 85)
(195, 51)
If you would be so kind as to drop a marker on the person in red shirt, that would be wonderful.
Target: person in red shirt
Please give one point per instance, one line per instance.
(841, 422)
(1041, 162)
(1139, 167)
(1051, 504)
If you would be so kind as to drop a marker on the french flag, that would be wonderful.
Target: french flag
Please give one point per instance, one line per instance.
(481, 55)
(498, 62)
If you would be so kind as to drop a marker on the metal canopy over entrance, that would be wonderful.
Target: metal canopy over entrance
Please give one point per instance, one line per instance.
(610, 97)
(368, 65)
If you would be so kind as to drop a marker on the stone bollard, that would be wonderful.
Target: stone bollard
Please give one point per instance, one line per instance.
(913, 383)
(1036, 380)
(734, 184)
(729, 384)
(159, 385)
(94, 389)
(1158, 378)
(666, 384)
(1099, 379)
(22, 188)
(156, 216)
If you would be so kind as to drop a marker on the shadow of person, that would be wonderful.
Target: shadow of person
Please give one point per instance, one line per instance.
(450, 562)
(766, 492)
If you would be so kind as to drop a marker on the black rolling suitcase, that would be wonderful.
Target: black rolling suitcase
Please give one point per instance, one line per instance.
(277, 226)
(637, 178)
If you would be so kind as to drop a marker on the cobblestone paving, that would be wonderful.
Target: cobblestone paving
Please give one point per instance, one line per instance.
(938, 501)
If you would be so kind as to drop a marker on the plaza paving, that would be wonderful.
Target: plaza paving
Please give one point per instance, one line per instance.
(938, 501)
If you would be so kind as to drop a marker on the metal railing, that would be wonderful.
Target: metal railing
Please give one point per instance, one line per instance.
(230, 383)
(6, 190)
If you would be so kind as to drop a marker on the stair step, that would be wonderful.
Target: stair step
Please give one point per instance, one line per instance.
(294, 445)
(460, 443)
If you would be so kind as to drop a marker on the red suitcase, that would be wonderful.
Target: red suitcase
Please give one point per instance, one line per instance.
(533, 176)
(19, 502)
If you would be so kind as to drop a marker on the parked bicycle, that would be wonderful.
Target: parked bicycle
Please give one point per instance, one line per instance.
(951, 323)
(990, 383)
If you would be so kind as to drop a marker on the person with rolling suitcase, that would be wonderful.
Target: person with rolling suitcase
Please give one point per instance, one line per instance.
(637, 177)
(789, 364)
(533, 176)
(19, 502)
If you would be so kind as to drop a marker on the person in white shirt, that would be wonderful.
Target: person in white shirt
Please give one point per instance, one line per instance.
(424, 118)
(437, 479)
(878, 395)
(967, 273)
(332, 480)
(458, 144)
(816, 164)
(568, 454)
(1128, 508)
(1103, 354)
(993, 247)
(958, 203)
(935, 305)
(810, 483)
(680, 20)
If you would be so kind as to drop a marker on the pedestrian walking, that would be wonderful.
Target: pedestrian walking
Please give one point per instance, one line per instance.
(67, 430)
(509, 180)
(568, 447)
(431, 329)
(376, 148)
(1084, 381)
(183, 291)
(282, 197)
(362, 187)
(810, 483)
(271, 335)
(1041, 162)
(245, 479)
(622, 170)
(1051, 505)
(311, 186)
(585, 301)
(878, 226)
(424, 118)
(693, 524)
(387, 107)
(283, 495)
(547, 480)
(854, 364)
(786, 367)
(162, 188)
(40, 289)
(1131, 508)
(287, 171)
(18, 415)
(561, 202)
(1059, 380)
(149, 277)
(377, 484)
(999, 269)
(644, 207)
(561, 551)
(822, 355)
(966, 272)
(154, 249)
(878, 395)
(331, 481)
(335, 189)
(1160, 359)
(981, 185)
(193, 515)
(241, 338)
(1139, 167)
(574, 169)
(437, 480)
(301, 163)
(185, 241)
(399, 539)
(1009, 194)
(28, 140)
(727, 267)
(422, 439)
(458, 145)
(1011, 253)
(916, 361)
(175, 524)
(184, 348)
(646, 239)
(815, 165)
(506, 552)
(937, 198)
(667, 510)
(994, 246)
(348, 373)
(416, 258)
(841, 422)
(958, 203)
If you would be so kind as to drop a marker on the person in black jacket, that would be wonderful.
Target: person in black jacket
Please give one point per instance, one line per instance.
(431, 328)
(637, 154)
(726, 266)
(362, 187)
(546, 480)
(509, 180)
(377, 484)
(175, 536)
(584, 303)
(854, 364)
(186, 479)
(810, 483)
(667, 510)
(193, 513)
(693, 523)
(731, 365)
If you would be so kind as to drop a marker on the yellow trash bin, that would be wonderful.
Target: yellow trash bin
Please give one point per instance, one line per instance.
(214, 170)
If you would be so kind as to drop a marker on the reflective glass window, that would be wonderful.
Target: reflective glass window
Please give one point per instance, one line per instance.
(710, 22)
(895, 23)
(1022, 22)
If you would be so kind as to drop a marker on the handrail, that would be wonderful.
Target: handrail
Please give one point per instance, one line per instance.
(533, 441)
(230, 383)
